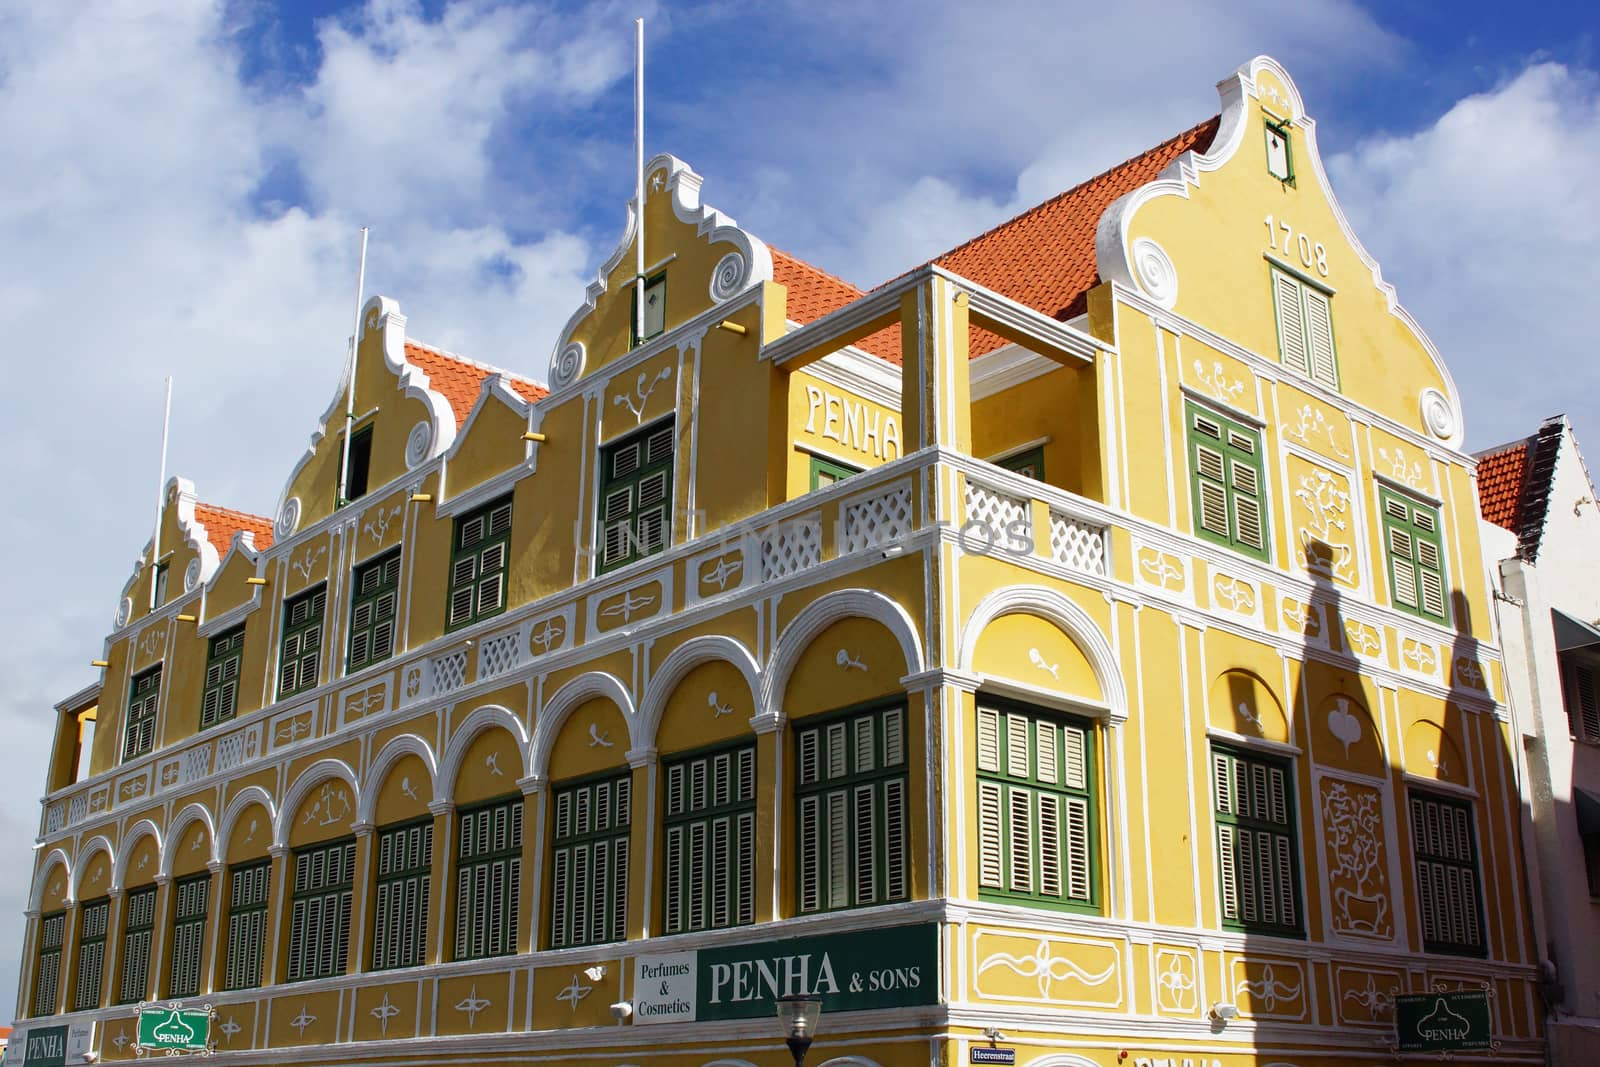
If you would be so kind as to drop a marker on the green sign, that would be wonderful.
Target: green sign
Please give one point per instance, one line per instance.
(1440, 1022)
(46, 1046)
(889, 968)
(173, 1028)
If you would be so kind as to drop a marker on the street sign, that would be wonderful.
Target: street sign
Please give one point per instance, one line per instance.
(1441, 1022)
(985, 1054)
(174, 1029)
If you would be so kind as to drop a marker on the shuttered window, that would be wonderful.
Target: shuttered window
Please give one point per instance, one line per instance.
(188, 934)
(1448, 888)
(405, 871)
(1036, 811)
(478, 557)
(635, 506)
(825, 472)
(223, 656)
(489, 880)
(852, 810)
(1258, 859)
(139, 732)
(374, 605)
(302, 641)
(1415, 553)
(710, 840)
(94, 917)
(1029, 463)
(247, 924)
(655, 309)
(589, 862)
(1228, 478)
(136, 937)
(47, 980)
(358, 469)
(158, 587)
(1305, 328)
(319, 917)
(1580, 691)
(1280, 157)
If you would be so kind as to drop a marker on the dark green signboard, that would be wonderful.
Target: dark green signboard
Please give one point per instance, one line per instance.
(174, 1028)
(46, 1046)
(1440, 1022)
(888, 968)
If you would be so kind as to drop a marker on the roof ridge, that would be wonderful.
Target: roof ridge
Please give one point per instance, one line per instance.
(231, 511)
(474, 363)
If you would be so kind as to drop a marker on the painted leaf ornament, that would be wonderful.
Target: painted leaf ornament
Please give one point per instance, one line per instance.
(1344, 726)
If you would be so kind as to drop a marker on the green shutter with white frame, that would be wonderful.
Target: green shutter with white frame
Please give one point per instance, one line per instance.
(94, 918)
(1414, 551)
(488, 879)
(188, 934)
(405, 875)
(374, 610)
(319, 916)
(247, 924)
(709, 835)
(1305, 327)
(479, 555)
(1258, 861)
(1449, 889)
(1228, 478)
(301, 650)
(589, 861)
(634, 509)
(224, 654)
(139, 731)
(138, 931)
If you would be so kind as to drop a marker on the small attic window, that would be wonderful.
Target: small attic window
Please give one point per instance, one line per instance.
(1280, 163)
(360, 466)
(655, 309)
(158, 588)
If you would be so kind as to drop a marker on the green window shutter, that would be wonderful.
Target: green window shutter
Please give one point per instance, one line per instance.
(136, 938)
(1449, 892)
(319, 917)
(302, 641)
(488, 879)
(139, 732)
(1257, 851)
(853, 830)
(93, 919)
(1305, 328)
(479, 557)
(635, 501)
(710, 841)
(1280, 157)
(247, 924)
(374, 610)
(1415, 555)
(188, 934)
(655, 309)
(1036, 800)
(1029, 463)
(590, 860)
(47, 980)
(825, 472)
(224, 654)
(405, 871)
(1228, 477)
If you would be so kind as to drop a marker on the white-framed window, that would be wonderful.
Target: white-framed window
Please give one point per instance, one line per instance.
(1305, 327)
(710, 840)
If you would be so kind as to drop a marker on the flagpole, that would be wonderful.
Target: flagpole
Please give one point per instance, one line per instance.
(350, 392)
(638, 175)
(161, 494)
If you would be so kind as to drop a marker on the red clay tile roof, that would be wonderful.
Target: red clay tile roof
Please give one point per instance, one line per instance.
(460, 379)
(1500, 475)
(1043, 258)
(222, 523)
(1514, 483)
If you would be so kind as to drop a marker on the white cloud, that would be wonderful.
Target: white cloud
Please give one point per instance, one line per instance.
(1487, 222)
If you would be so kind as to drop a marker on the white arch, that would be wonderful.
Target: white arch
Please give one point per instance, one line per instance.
(729, 1063)
(1062, 1059)
(313, 776)
(139, 830)
(561, 705)
(818, 616)
(97, 843)
(854, 1061)
(481, 719)
(56, 857)
(192, 813)
(1075, 622)
(252, 794)
(393, 752)
(683, 659)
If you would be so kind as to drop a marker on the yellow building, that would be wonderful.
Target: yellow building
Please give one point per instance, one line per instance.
(1081, 638)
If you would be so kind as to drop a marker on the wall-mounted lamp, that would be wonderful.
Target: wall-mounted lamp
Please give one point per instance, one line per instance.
(188, 618)
(1222, 1011)
(99, 663)
(421, 498)
(733, 327)
(255, 581)
(535, 436)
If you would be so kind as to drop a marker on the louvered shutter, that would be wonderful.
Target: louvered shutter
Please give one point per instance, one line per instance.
(1403, 566)
(988, 739)
(1286, 293)
(1258, 884)
(1448, 888)
(989, 836)
(1019, 831)
(1319, 338)
(1582, 699)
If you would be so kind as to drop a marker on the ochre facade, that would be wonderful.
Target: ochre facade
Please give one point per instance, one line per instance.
(1119, 775)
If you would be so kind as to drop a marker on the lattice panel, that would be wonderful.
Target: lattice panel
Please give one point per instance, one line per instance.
(196, 763)
(449, 672)
(77, 808)
(996, 511)
(878, 520)
(790, 547)
(238, 748)
(499, 653)
(1077, 544)
(55, 817)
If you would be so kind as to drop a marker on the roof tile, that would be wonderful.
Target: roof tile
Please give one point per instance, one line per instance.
(459, 379)
(222, 523)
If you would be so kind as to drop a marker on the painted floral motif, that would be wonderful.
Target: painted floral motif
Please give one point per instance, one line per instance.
(1175, 981)
(1360, 637)
(1314, 430)
(1238, 596)
(1399, 470)
(1228, 390)
(1269, 990)
(1352, 826)
(1161, 569)
(1323, 534)
(1048, 969)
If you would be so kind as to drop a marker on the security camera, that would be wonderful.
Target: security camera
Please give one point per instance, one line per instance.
(621, 1011)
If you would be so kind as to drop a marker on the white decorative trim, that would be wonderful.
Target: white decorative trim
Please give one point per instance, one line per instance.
(461, 738)
(130, 839)
(324, 770)
(729, 277)
(56, 857)
(1438, 415)
(1154, 272)
(1006, 367)
(288, 518)
(419, 444)
(241, 801)
(97, 843)
(553, 715)
(383, 763)
(193, 813)
(860, 373)
(672, 670)
(818, 616)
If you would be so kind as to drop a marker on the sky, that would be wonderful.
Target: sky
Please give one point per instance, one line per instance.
(184, 185)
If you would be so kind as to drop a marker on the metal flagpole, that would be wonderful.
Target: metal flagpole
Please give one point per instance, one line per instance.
(638, 174)
(161, 493)
(350, 393)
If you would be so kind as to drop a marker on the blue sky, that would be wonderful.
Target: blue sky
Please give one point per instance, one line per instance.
(185, 183)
